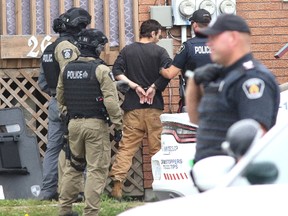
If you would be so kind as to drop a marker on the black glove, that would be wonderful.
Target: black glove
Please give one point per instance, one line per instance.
(122, 86)
(117, 135)
(207, 73)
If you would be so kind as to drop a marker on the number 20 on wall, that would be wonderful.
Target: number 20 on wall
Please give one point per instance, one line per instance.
(33, 42)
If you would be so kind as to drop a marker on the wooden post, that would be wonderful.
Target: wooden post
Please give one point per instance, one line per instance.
(91, 7)
(121, 22)
(136, 20)
(76, 3)
(61, 7)
(106, 20)
(47, 26)
(18, 15)
(33, 17)
(3, 29)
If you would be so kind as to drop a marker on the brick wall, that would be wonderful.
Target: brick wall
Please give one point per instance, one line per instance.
(268, 20)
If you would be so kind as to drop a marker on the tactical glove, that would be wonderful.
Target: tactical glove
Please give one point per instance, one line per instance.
(117, 135)
(207, 73)
(122, 86)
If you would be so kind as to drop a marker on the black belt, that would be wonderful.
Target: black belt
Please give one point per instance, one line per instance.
(83, 116)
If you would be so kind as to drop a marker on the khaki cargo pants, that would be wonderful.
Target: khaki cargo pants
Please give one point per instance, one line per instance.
(136, 123)
(88, 138)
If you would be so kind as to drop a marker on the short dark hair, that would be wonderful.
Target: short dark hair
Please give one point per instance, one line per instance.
(148, 26)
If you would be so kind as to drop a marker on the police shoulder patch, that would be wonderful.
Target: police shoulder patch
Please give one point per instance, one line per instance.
(67, 53)
(253, 88)
(111, 76)
(182, 47)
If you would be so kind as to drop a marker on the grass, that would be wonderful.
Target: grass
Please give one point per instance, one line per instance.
(109, 207)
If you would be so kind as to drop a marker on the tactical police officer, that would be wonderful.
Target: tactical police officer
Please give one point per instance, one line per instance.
(55, 57)
(192, 54)
(87, 88)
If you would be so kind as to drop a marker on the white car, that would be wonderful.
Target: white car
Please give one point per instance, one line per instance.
(256, 185)
(171, 166)
(264, 200)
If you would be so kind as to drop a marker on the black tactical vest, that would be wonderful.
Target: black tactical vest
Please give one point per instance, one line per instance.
(82, 91)
(216, 115)
(50, 65)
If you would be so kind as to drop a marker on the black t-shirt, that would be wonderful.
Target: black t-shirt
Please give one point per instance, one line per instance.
(141, 63)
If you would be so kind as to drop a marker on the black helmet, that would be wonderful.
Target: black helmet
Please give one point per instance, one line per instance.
(92, 39)
(76, 17)
(58, 24)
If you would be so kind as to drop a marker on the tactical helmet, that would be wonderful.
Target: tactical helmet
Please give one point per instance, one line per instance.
(76, 17)
(92, 39)
(58, 24)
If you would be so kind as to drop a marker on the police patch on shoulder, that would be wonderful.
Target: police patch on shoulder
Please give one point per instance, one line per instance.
(111, 76)
(182, 47)
(67, 53)
(253, 88)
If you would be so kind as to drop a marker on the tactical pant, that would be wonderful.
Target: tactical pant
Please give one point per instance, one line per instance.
(61, 168)
(136, 123)
(54, 145)
(88, 138)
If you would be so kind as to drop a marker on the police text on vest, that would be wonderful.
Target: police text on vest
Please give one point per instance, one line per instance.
(202, 50)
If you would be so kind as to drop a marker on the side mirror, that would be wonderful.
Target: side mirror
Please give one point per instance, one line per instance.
(261, 173)
(240, 137)
(208, 172)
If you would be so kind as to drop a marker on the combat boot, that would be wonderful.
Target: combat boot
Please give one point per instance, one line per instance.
(117, 190)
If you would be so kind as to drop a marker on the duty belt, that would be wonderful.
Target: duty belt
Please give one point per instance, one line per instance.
(83, 116)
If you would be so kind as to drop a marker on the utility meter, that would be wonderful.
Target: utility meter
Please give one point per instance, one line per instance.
(227, 6)
(182, 11)
(187, 8)
(208, 5)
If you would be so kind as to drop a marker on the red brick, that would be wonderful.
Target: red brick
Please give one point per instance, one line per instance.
(282, 80)
(144, 9)
(146, 159)
(148, 175)
(148, 184)
(143, 17)
(147, 167)
(263, 6)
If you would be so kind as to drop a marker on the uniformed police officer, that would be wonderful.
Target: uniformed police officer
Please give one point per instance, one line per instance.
(55, 57)
(240, 88)
(87, 88)
(192, 54)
